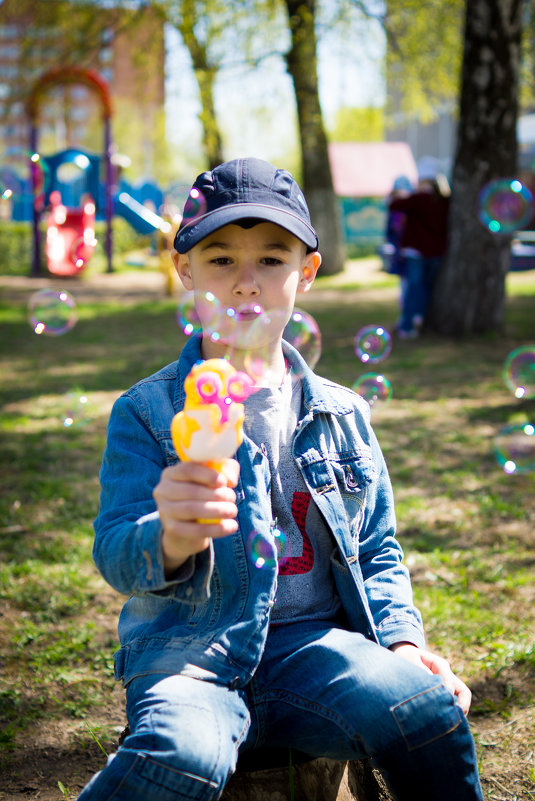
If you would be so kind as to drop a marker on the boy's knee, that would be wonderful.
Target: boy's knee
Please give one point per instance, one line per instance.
(137, 776)
(183, 759)
(426, 716)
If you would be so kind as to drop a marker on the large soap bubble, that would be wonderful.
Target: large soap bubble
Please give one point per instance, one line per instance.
(373, 343)
(519, 372)
(514, 448)
(505, 205)
(374, 388)
(302, 331)
(52, 312)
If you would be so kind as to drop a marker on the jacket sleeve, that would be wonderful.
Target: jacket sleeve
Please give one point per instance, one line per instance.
(127, 547)
(386, 579)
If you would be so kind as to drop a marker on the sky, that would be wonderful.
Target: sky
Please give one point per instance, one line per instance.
(256, 109)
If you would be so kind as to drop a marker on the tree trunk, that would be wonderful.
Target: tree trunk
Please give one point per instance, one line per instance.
(301, 61)
(281, 774)
(469, 293)
(316, 780)
(205, 75)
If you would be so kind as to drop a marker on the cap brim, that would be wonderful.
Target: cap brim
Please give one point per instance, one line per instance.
(195, 230)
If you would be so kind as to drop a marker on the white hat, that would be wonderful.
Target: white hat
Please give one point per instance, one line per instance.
(427, 168)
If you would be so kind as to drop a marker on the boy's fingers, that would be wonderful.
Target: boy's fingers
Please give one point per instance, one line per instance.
(191, 472)
(187, 537)
(176, 492)
(231, 471)
(199, 473)
(195, 510)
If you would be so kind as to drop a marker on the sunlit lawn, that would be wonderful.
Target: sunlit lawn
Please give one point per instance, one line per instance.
(465, 525)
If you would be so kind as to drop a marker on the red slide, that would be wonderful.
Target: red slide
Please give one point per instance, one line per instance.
(70, 236)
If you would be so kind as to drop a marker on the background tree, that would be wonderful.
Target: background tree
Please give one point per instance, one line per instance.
(470, 288)
(423, 56)
(358, 125)
(64, 33)
(200, 23)
(301, 60)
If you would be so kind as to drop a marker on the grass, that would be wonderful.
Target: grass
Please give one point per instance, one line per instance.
(466, 526)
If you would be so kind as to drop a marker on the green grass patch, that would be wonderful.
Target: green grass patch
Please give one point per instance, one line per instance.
(466, 527)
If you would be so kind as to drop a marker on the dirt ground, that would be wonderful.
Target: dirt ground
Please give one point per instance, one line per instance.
(66, 753)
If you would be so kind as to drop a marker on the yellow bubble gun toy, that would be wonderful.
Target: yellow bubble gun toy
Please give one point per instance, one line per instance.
(210, 428)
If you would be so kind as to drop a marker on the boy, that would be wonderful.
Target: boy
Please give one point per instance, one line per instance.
(321, 650)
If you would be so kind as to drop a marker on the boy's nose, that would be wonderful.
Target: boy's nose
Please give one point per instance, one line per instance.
(246, 283)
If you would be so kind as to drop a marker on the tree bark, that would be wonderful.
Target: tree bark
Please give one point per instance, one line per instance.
(205, 74)
(469, 293)
(316, 780)
(301, 61)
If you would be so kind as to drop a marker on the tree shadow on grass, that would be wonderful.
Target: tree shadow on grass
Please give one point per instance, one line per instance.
(118, 348)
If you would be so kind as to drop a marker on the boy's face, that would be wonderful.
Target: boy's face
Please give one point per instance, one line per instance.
(263, 266)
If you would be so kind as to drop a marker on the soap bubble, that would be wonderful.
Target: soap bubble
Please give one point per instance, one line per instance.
(257, 365)
(52, 312)
(186, 315)
(199, 311)
(281, 542)
(80, 252)
(15, 171)
(519, 372)
(505, 205)
(373, 343)
(514, 448)
(22, 171)
(264, 329)
(264, 552)
(256, 339)
(194, 207)
(77, 410)
(374, 388)
(174, 200)
(302, 331)
(238, 327)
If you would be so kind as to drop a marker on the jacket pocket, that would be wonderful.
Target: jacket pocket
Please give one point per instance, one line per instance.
(353, 475)
(169, 452)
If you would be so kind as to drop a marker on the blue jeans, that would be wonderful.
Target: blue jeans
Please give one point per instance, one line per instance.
(325, 691)
(420, 274)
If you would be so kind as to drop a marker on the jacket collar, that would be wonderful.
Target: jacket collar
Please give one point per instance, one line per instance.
(318, 395)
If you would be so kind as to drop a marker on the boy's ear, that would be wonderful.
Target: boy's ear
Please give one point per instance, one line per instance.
(181, 262)
(309, 269)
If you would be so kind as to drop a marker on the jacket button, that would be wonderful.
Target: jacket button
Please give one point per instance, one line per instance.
(235, 683)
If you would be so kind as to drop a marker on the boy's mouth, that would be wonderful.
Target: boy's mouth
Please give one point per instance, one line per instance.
(248, 313)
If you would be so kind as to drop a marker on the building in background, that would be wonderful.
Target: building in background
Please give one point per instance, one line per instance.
(126, 46)
(363, 177)
(435, 138)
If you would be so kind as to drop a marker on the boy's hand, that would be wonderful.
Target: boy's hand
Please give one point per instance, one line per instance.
(436, 664)
(186, 493)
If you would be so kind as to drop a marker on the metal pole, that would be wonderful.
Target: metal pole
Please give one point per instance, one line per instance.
(108, 190)
(36, 263)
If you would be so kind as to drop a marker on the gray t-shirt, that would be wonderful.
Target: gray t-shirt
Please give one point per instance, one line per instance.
(306, 587)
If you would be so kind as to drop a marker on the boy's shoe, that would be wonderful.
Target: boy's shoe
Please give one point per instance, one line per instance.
(411, 334)
(417, 321)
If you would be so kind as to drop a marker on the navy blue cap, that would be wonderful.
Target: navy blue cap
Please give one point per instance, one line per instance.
(244, 189)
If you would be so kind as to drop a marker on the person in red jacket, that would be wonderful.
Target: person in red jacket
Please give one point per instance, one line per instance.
(423, 244)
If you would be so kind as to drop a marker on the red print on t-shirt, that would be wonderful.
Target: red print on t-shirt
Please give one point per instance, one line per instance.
(297, 565)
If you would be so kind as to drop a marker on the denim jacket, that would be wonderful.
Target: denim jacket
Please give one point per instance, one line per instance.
(211, 620)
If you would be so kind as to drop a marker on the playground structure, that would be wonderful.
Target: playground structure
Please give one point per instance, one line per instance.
(94, 194)
(72, 203)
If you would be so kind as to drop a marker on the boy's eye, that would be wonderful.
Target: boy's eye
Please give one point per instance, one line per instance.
(221, 260)
(271, 260)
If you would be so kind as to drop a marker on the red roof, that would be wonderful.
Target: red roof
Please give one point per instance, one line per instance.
(369, 169)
